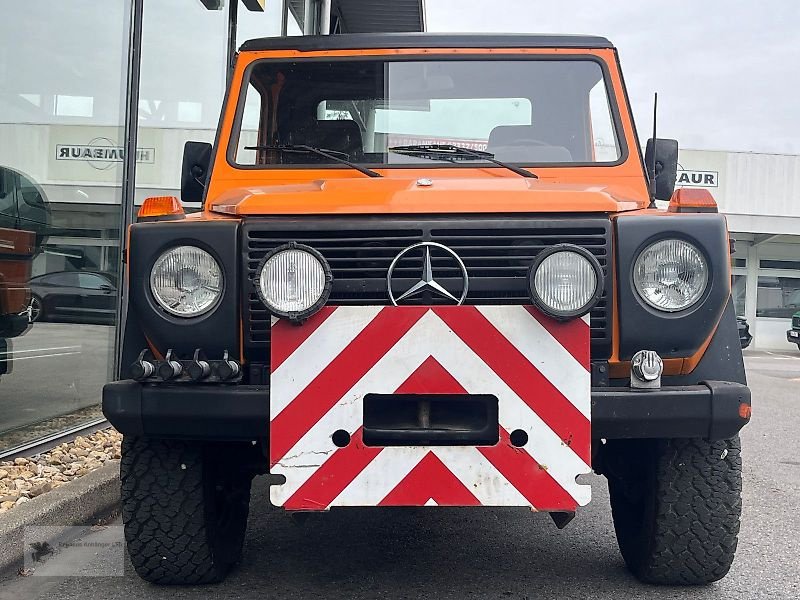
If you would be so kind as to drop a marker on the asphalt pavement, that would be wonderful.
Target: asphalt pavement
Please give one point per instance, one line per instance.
(491, 553)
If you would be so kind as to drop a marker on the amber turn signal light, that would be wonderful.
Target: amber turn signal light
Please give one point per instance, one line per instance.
(692, 200)
(161, 206)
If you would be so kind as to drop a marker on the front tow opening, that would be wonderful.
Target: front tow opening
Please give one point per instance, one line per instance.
(431, 420)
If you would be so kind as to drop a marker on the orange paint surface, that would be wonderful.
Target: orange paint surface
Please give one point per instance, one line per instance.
(331, 190)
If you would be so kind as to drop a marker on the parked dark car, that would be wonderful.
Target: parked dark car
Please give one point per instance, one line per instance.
(75, 296)
(745, 337)
(793, 335)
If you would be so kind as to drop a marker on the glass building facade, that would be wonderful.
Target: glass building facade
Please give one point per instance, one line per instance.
(63, 82)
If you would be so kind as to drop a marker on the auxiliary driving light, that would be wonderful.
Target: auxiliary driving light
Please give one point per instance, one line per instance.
(294, 281)
(186, 281)
(670, 275)
(170, 368)
(565, 281)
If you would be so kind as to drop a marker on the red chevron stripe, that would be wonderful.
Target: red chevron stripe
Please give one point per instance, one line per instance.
(571, 334)
(342, 373)
(526, 475)
(430, 378)
(430, 479)
(333, 476)
(288, 337)
(520, 375)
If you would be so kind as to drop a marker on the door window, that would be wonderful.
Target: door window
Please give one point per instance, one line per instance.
(92, 281)
(61, 279)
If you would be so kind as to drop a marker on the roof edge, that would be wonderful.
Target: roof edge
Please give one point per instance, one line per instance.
(371, 41)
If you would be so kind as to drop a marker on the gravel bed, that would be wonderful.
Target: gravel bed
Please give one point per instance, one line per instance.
(26, 478)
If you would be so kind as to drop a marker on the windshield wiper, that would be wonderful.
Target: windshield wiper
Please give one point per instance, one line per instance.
(452, 153)
(332, 154)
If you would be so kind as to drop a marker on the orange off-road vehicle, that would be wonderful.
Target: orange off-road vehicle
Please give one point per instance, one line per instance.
(430, 271)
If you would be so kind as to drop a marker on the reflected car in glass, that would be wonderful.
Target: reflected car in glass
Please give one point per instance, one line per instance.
(24, 223)
(74, 296)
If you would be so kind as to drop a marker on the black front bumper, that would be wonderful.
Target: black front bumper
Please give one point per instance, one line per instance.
(712, 410)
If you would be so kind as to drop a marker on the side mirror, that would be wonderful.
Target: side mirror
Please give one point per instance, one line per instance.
(194, 171)
(666, 161)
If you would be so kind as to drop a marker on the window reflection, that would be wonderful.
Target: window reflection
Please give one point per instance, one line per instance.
(778, 297)
(59, 215)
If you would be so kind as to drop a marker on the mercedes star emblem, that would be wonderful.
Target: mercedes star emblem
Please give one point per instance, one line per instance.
(428, 281)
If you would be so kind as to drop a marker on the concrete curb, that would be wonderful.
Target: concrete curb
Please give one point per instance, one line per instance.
(81, 501)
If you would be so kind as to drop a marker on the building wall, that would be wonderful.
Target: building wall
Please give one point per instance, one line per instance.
(760, 195)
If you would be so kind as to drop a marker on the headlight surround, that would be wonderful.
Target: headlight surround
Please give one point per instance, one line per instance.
(294, 281)
(186, 281)
(565, 281)
(671, 275)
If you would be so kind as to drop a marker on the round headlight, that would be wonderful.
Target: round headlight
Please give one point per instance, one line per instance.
(670, 275)
(565, 281)
(294, 281)
(186, 281)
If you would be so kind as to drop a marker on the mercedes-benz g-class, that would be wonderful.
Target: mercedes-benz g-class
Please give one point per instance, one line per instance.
(430, 271)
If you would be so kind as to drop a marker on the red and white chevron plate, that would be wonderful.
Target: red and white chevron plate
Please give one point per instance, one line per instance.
(538, 368)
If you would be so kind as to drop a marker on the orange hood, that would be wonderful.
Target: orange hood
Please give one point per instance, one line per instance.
(412, 196)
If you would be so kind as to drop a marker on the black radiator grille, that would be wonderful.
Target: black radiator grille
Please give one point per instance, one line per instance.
(497, 253)
(795, 322)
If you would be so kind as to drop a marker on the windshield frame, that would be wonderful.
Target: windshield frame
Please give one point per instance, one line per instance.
(614, 111)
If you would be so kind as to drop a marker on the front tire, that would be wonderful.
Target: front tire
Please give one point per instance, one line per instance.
(184, 510)
(676, 506)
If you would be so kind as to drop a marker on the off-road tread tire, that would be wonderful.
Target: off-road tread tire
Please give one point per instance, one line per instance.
(168, 512)
(683, 529)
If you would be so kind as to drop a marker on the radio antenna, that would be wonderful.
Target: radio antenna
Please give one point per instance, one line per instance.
(653, 157)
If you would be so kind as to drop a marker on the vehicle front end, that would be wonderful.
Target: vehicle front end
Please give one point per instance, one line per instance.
(430, 275)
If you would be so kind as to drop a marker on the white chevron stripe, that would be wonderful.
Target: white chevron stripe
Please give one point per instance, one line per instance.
(481, 477)
(544, 352)
(317, 352)
(430, 336)
(380, 476)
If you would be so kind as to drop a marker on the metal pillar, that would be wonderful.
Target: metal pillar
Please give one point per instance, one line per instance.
(285, 18)
(324, 17)
(310, 17)
(751, 290)
(233, 22)
(128, 167)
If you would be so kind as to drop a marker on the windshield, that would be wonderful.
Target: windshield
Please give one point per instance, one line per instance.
(526, 111)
